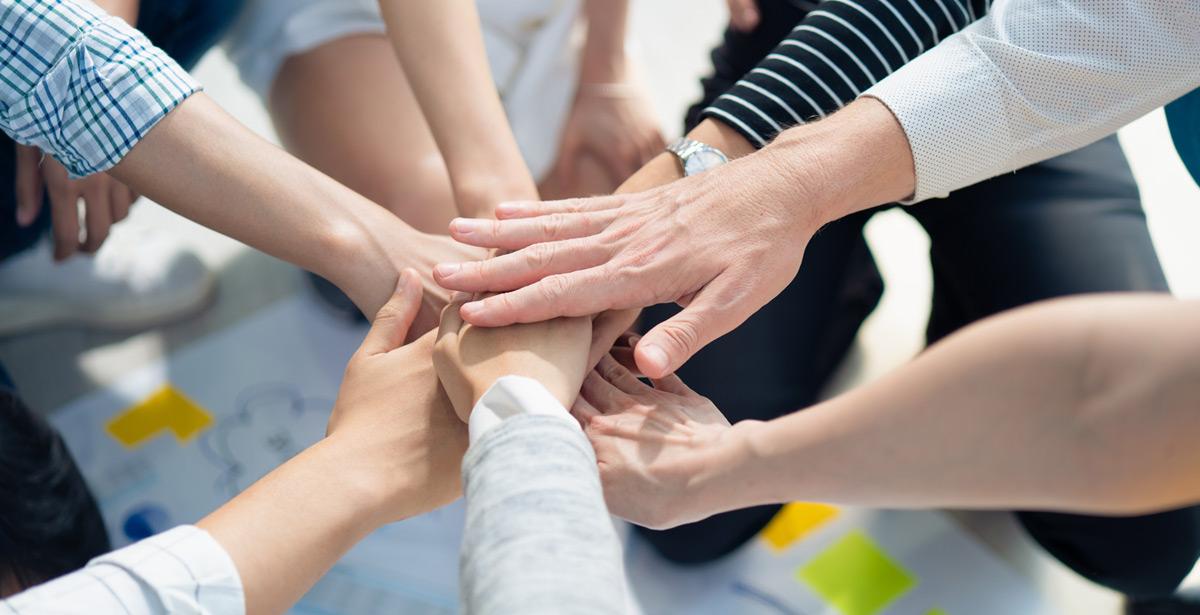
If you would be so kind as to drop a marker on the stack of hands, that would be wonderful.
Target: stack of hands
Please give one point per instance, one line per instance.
(400, 418)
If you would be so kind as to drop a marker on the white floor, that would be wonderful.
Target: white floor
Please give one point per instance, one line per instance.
(672, 41)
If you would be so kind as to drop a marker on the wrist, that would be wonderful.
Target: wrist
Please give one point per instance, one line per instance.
(723, 137)
(355, 255)
(363, 492)
(856, 159)
(727, 466)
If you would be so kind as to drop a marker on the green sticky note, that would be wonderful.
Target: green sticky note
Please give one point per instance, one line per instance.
(936, 612)
(856, 576)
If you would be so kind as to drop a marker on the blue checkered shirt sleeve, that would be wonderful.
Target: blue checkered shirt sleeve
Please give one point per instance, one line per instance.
(81, 85)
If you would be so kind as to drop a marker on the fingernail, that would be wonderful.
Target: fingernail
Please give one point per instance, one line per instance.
(633, 340)
(655, 357)
(464, 226)
(470, 310)
(446, 270)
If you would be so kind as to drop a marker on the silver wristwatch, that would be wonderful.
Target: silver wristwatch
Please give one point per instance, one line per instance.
(696, 157)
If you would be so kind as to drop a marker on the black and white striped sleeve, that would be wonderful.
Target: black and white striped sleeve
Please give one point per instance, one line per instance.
(840, 49)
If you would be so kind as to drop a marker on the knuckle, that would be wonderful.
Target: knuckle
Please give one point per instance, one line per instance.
(539, 256)
(554, 287)
(549, 226)
(682, 335)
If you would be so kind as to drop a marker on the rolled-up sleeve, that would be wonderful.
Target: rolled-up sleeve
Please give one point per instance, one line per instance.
(81, 85)
(1036, 79)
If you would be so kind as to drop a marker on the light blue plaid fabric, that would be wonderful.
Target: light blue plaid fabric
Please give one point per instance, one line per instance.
(81, 85)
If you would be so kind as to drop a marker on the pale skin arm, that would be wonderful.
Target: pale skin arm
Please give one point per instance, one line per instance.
(393, 451)
(236, 183)
(1085, 404)
(457, 94)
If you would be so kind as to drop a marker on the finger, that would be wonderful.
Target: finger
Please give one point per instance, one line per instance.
(122, 199)
(743, 15)
(716, 310)
(583, 411)
(28, 184)
(451, 322)
(526, 266)
(97, 215)
(624, 356)
(604, 397)
(64, 211)
(529, 209)
(521, 233)
(391, 324)
(618, 376)
(579, 293)
(672, 384)
(607, 328)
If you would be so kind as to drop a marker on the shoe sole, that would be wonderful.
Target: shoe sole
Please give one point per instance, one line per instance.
(20, 316)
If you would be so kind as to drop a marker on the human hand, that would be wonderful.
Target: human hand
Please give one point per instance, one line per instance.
(743, 14)
(663, 451)
(703, 241)
(613, 122)
(470, 359)
(106, 201)
(393, 417)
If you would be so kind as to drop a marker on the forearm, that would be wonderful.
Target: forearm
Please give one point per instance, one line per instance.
(459, 100)
(1085, 404)
(234, 182)
(604, 59)
(290, 527)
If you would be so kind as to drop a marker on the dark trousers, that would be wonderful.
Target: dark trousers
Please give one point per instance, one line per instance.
(1069, 225)
(185, 29)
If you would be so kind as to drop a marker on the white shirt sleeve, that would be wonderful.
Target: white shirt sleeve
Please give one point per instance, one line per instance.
(183, 571)
(1038, 78)
(513, 396)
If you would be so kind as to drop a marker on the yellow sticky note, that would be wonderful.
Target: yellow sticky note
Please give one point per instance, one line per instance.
(856, 576)
(165, 409)
(795, 521)
(936, 612)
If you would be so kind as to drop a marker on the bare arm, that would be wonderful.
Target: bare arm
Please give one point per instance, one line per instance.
(440, 45)
(234, 182)
(1086, 404)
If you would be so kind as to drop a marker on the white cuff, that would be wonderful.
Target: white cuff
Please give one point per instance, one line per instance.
(513, 396)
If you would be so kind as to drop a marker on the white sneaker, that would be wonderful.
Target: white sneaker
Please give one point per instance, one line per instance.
(137, 279)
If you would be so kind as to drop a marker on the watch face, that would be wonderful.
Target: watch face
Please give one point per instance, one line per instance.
(703, 160)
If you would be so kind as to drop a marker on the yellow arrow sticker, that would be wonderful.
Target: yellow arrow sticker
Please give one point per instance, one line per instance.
(795, 521)
(165, 409)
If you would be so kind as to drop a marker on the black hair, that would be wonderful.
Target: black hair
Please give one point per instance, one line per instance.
(49, 521)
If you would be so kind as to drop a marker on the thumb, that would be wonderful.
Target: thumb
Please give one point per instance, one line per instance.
(391, 324)
(713, 312)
